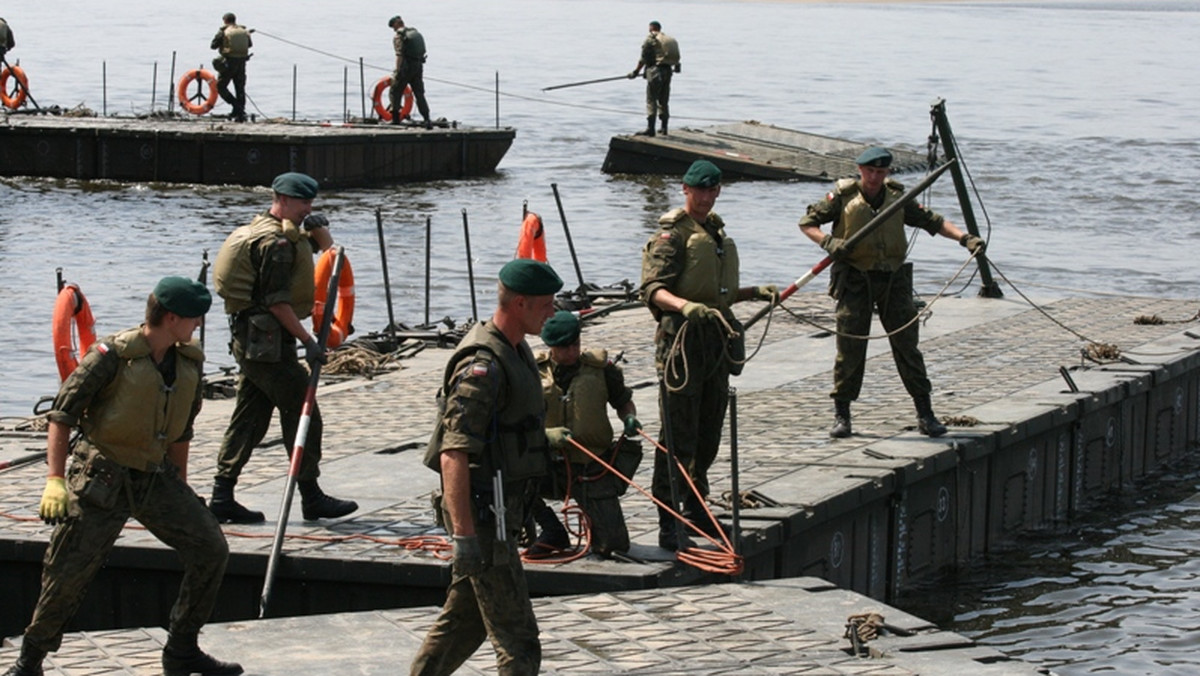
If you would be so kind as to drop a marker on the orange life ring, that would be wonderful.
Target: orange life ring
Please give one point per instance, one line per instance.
(71, 311)
(343, 316)
(533, 238)
(20, 90)
(406, 100)
(191, 102)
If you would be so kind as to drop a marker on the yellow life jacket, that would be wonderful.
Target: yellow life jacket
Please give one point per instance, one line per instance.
(234, 274)
(136, 417)
(710, 275)
(886, 247)
(583, 408)
(237, 42)
(667, 50)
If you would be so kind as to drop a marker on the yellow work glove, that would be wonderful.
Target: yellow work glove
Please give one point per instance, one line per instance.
(695, 312)
(53, 508)
(766, 292)
(557, 437)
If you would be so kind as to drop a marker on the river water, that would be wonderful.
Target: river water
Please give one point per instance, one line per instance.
(1076, 120)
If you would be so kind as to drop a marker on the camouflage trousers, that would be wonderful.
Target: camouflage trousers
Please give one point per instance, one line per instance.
(658, 91)
(168, 508)
(492, 604)
(891, 294)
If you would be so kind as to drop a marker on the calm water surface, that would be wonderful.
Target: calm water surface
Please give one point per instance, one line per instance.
(1076, 120)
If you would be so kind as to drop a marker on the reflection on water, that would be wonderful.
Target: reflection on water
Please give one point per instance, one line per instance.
(1117, 595)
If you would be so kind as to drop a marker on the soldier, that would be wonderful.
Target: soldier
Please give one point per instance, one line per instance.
(660, 57)
(264, 271)
(134, 397)
(874, 275)
(6, 38)
(690, 280)
(489, 441)
(577, 385)
(410, 68)
(233, 43)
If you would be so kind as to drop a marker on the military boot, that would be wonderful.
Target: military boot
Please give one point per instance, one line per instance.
(29, 662)
(183, 657)
(649, 127)
(554, 535)
(314, 504)
(927, 422)
(670, 537)
(841, 419)
(663, 129)
(226, 509)
(395, 116)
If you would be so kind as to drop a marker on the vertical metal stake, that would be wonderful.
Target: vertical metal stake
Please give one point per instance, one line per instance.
(293, 92)
(733, 468)
(154, 87)
(170, 89)
(362, 85)
(497, 99)
(345, 94)
(387, 288)
(428, 249)
(104, 85)
(570, 244)
(470, 266)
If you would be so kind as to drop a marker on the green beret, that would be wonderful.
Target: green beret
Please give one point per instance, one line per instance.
(702, 174)
(561, 329)
(185, 297)
(875, 157)
(656, 25)
(394, 20)
(295, 184)
(530, 278)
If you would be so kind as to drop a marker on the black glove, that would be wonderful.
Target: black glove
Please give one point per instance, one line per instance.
(315, 221)
(835, 247)
(468, 559)
(632, 74)
(974, 243)
(314, 354)
(678, 67)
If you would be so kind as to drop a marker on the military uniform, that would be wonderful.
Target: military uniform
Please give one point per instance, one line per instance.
(130, 410)
(409, 46)
(233, 42)
(697, 262)
(491, 409)
(874, 275)
(6, 38)
(660, 58)
(575, 398)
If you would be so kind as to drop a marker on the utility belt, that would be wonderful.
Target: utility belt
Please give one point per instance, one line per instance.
(99, 481)
(259, 336)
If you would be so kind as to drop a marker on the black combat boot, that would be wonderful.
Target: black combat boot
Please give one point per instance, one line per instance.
(669, 533)
(649, 127)
(841, 419)
(226, 509)
(183, 657)
(694, 510)
(314, 504)
(554, 536)
(396, 116)
(927, 422)
(29, 662)
(663, 119)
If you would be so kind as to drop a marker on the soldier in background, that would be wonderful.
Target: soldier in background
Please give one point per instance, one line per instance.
(410, 68)
(233, 43)
(491, 433)
(134, 397)
(660, 58)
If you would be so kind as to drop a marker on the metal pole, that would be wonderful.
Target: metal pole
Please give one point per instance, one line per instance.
(203, 279)
(171, 99)
(428, 249)
(362, 85)
(570, 244)
(293, 92)
(154, 87)
(345, 94)
(387, 289)
(310, 402)
(733, 468)
(988, 287)
(104, 79)
(470, 266)
(497, 99)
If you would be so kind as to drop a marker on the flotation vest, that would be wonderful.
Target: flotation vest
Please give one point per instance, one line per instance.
(235, 276)
(412, 44)
(517, 443)
(583, 408)
(666, 52)
(6, 36)
(533, 238)
(886, 247)
(237, 42)
(710, 274)
(136, 417)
